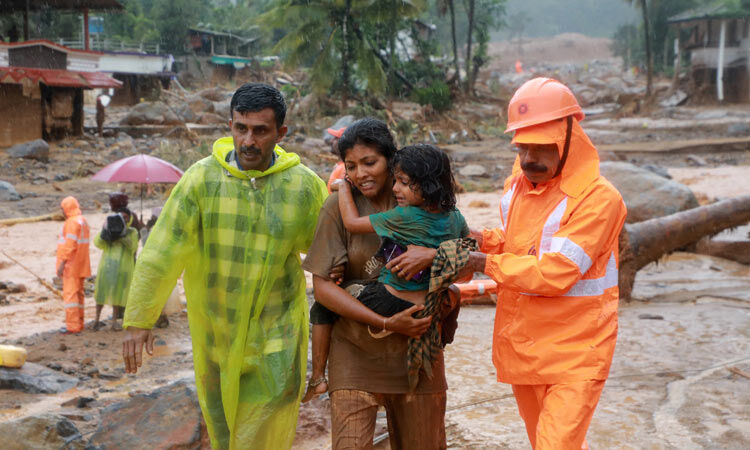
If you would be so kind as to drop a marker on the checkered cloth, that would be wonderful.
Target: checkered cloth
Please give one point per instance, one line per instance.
(451, 257)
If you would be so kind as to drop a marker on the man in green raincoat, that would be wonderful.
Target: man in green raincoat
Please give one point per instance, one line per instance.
(236, 223)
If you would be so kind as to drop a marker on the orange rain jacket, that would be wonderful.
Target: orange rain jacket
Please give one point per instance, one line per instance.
(339, 172)
(73, 242)
(555, 259)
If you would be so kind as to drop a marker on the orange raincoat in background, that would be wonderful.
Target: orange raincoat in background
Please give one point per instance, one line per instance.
(73, 248)
(555, 260)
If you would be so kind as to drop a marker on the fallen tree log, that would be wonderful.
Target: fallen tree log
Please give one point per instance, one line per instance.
(738, 251)
(58, 216)
(645, 242)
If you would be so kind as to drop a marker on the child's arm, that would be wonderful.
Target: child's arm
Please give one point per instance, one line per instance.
(349, 214)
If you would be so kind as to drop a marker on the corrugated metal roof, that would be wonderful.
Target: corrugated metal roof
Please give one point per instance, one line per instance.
(20, 5)
(59, 78)
(50, 44)
(717, 9)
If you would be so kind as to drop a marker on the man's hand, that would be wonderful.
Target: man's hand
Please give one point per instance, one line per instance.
(477, 235)
(61, 269)
(337, 273)
(404, 323)
(476, 263)
(132, 347)
(408, 264)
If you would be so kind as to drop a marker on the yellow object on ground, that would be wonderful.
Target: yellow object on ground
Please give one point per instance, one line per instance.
(238, 236)
(12, 356)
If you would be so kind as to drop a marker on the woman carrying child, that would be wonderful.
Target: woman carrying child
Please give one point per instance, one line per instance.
(366, 372)
(118, 242)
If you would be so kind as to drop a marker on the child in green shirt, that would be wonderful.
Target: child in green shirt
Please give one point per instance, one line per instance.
(426, 215)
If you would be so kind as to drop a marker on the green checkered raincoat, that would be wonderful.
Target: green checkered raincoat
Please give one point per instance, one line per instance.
(238, 237)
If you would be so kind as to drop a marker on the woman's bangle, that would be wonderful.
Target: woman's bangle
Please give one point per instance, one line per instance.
(384, 320)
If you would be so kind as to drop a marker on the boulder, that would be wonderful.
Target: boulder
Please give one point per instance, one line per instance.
(198, 104)
(212, 119)
(222, 108)
(37, 149)
(647, 194)
(35, 379)
(343, 121)
(151, 113)
(45, 431)
(8, 192)
(738, 129)
(168, 417)
(473, 170)
(215, 94)
(186, 114)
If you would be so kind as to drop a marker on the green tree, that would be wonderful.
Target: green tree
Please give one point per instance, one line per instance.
(448, 6)
(482, 16)
(174, 17)
(331, 36)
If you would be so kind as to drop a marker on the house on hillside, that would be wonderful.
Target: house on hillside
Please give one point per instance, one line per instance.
(41, 90)
(223, 53)
(719, 47)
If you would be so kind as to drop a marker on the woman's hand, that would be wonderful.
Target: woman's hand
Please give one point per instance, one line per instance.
(412, 262)
(337, 273)
(404, 323)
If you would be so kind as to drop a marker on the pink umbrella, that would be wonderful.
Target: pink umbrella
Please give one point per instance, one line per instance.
(139, 169)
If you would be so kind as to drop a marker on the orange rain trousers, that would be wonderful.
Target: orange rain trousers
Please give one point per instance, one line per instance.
(73, 299)
(557, 416)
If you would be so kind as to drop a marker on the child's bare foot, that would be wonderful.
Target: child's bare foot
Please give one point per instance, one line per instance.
(97, 325)
(315, 387)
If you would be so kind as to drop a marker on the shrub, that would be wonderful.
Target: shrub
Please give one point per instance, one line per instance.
(437, 95)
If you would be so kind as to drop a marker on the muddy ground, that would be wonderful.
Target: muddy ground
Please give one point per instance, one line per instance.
(680, 374)
(671, 386)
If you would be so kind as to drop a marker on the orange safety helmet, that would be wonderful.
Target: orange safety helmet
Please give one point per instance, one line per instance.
(541, 100)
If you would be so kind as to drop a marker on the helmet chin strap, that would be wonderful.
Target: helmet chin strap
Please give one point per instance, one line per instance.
(566, 148)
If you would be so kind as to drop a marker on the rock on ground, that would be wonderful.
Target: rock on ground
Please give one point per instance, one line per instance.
(8, 192)
(42, 432)
(153, 113)
(646, 194)
(37, 149)
(169, 417)
(35, 379)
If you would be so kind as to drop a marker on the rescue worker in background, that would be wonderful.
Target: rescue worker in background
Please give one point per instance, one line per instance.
(555, 260)
(73, 265)
(339, 171)
(236, 223)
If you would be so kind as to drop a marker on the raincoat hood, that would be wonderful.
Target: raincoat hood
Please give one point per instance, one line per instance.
(582, 166)
(284, 160)
(70, 206)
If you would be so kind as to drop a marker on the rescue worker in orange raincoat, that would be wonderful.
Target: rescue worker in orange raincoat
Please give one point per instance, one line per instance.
(73, 265)
(555, 260)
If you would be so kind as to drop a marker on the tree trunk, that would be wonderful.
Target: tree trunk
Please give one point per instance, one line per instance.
(469, 35)
(394, 18)
(451, 6)
(649, 58)
(645, 242)
(346, 57)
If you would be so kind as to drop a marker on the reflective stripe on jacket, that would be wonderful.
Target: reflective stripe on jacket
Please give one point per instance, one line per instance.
(73, 242)
(555, 259)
